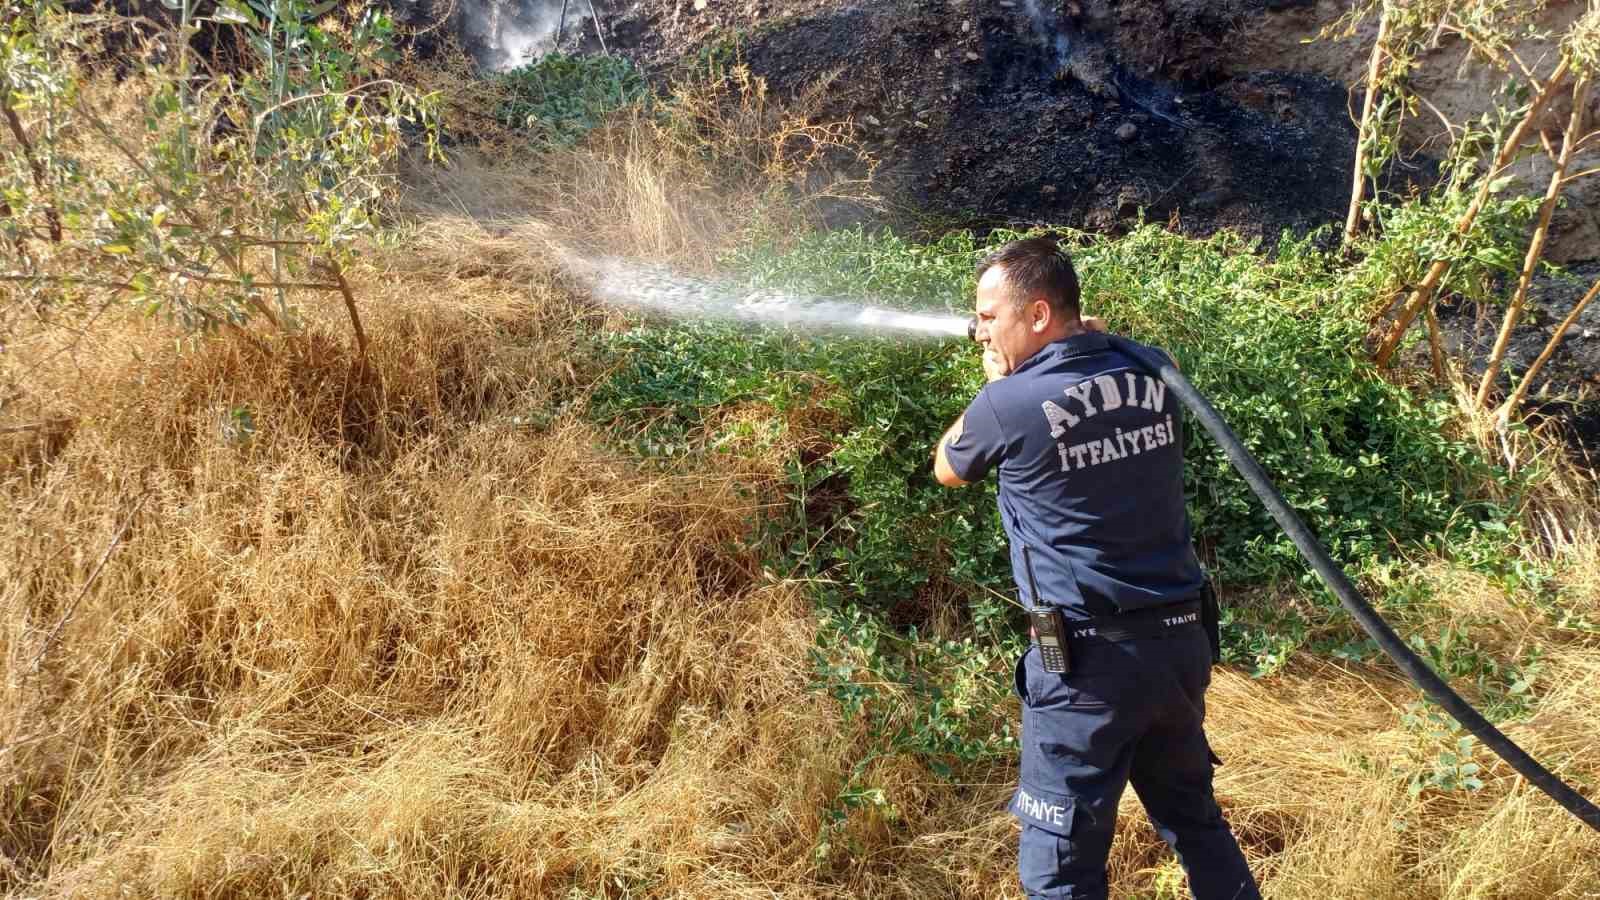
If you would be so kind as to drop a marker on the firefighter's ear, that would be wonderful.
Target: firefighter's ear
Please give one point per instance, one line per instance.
(1039, 314)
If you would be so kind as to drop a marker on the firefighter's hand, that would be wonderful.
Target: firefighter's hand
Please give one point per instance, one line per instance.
(1093, 323)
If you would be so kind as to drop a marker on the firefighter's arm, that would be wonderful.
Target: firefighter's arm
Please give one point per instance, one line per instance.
(942, 469)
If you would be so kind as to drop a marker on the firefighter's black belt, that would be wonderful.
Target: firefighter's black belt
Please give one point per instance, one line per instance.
(1129, 626)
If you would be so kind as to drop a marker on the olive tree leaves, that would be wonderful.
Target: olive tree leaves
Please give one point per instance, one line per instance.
(209, 194)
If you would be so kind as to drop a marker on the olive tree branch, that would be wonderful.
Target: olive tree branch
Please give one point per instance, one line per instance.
(40, 180)
(177, 203)
(261, 117)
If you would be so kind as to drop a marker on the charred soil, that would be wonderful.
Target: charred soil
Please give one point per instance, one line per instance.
(1093, 114)
(1085, 114)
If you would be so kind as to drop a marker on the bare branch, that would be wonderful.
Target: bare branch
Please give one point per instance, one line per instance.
(350, 305)
(255, 131)
(1424, 293)
(1526, 72)
(40, 179)
(1544, 141)
(1449, 127)
(1358, 184)
(1583, 142)
(1509, 408)
(1585, 173)
(93, 576)
(1541, 233)
(201, 279)
(1435, 345)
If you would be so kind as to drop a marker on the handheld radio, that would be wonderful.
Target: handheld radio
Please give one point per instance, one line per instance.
(1050, 629)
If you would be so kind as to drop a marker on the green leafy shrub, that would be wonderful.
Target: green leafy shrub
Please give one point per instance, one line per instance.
(1276, 343)
(209, 197)
(1277, 346)
(557, 98)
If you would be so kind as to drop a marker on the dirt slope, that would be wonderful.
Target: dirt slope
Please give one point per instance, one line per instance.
(1283, 38)
(1206, 113)
(1090, 113)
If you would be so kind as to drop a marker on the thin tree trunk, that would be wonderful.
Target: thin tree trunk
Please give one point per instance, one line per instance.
(1419, 298)
(35, 167)
(1515, 400)
(598, 31)
(1436, 271)
(1580, 99)
(1352, 221)
(1435, 346)
(350, 304)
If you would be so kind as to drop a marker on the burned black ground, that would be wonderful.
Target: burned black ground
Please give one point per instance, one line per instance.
(1091, 114)
(979, 116)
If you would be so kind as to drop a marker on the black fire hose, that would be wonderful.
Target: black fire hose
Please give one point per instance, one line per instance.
(1339, 583)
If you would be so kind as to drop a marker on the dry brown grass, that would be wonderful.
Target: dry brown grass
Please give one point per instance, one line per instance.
(395, 636)
(715, 165)
(422, 634)
(398, 644)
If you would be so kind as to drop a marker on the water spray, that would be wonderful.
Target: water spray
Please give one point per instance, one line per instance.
(1340, 585)
(505, 36)
(1047, 25)
(653, 288)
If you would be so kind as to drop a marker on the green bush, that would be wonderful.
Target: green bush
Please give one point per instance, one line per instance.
(1277, 346)
(1275, 342)
(558, 98)
(214, 197)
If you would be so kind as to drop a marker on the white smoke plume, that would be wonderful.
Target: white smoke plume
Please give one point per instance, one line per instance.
(1047, 25)
(505, 34)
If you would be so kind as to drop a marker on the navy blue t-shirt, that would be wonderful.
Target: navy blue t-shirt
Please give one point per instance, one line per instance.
(1089, 449)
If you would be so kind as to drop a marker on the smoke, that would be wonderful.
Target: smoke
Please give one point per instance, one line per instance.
(1047, 25)
(657, 289)
(505, 34)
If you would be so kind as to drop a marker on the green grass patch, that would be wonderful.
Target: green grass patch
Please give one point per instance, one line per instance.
(558, 98)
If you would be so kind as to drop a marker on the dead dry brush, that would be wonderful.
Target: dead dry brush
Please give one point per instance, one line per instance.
(388, 634)
(420, 648)
(712, 164)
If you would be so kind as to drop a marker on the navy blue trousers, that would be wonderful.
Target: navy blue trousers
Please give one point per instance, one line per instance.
(1128, 711)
